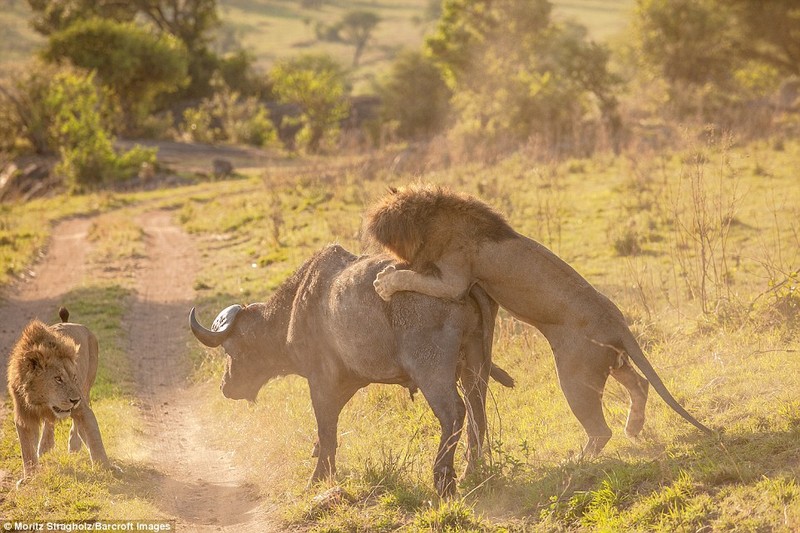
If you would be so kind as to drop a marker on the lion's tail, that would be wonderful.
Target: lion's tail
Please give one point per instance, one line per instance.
(633, 350)
(63, 314)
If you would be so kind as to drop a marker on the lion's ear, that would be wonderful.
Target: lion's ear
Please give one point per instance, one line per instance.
(34, 359)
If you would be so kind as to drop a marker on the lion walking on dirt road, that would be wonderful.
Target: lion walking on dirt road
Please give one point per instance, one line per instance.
(451, 241)
(51, 370)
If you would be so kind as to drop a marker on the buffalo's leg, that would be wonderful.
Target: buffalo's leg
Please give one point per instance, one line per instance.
(583, 369)
(48, 439)
(474, 379)
(637, 387)
(28, 435)
(449, 408)
(88, 430)
(328, 402)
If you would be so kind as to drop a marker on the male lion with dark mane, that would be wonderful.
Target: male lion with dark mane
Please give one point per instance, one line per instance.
(50, 372)
(451, 241)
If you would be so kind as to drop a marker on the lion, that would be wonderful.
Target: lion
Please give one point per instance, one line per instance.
(50, 372)
(451, 241)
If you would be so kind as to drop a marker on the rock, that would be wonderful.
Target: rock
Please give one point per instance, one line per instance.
(222, 168)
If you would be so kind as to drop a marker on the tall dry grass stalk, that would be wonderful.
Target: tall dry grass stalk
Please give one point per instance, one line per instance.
(703, 203)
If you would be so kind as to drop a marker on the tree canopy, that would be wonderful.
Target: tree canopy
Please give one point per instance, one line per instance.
(136, 64)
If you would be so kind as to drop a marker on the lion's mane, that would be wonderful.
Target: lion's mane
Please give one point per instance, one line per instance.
(38, 344)
(419, 222)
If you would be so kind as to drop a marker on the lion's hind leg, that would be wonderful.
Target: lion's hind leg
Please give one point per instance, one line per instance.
(637, 387)
(582, 374)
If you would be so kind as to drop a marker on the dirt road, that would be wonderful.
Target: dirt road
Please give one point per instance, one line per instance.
(198, 486)
(202, 488)
(60, 270)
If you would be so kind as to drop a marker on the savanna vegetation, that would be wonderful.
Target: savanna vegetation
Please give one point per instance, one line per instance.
(659, 161)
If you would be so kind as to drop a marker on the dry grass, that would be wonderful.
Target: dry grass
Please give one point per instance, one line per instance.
(728, 356)
(731, 361)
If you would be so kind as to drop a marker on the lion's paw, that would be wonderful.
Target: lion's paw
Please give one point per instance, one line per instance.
(382, 282)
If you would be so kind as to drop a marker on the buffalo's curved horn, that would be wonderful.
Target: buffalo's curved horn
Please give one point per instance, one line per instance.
(220, 329)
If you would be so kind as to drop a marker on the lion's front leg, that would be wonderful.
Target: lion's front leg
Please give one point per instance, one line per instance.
(89, 431)
(48, 439)
(447, 286)
(28, 435)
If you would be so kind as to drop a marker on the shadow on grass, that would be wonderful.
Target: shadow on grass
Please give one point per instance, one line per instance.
(566, 490)
(200, 502)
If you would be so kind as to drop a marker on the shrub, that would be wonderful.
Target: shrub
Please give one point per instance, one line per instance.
(315, 83)
(78, 110)
(516, 75)
(226, 116)
(415, 97)
(137, 65)
(24, 117)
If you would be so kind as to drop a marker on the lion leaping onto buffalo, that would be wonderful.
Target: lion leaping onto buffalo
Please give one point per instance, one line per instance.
(452, 241)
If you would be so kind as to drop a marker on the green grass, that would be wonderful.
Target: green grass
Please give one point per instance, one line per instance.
(734, 365)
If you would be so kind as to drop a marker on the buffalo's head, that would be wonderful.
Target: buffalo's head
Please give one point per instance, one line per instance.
(243, 334)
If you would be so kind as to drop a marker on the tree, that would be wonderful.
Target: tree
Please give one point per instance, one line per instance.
(315, 83)
(717, 54)
(134, 63)
(356, 28)
(415, 96)
(515, 74)
(190, 21)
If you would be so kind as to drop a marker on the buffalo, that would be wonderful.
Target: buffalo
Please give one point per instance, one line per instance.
(327, 324)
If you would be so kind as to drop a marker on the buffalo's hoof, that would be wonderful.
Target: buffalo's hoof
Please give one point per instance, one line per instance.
(445, 482)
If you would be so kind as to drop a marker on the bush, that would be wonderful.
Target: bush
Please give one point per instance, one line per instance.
(717, 57)
(79, 110)
(226, 116)
(412, 75)
(515, 75)
(24, 118)
(316, 84)
(135, 64)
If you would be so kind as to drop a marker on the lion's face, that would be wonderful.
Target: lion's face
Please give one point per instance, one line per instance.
(54, 386)
(43, 373)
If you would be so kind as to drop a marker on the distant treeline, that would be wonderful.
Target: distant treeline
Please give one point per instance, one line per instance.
(490, 76)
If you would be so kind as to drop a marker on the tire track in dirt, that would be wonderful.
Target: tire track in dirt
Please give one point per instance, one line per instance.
(200, 487)
(61, 269)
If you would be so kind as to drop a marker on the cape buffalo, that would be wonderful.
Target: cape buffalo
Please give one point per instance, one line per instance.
(327, 324)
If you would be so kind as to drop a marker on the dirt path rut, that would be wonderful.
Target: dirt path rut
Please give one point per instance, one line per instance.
(202, 488)
(61, 270)
(195, 484)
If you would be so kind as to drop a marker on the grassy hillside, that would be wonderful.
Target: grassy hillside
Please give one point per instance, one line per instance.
(272, 29)
(18, 41)
(733, 366)
(698, 247)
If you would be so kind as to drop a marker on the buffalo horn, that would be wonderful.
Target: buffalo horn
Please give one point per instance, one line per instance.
(220, 329)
